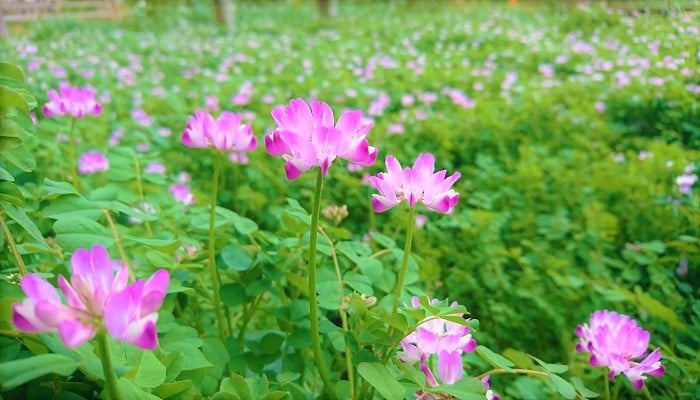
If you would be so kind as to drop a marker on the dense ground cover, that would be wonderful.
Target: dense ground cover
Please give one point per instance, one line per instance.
(570, 129)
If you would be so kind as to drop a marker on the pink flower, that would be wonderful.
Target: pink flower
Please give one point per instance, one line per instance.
(133, 312)
(419, 183)
(73, 101)
(615, 340)
(93, 299)
(307, 136)
(155, 168)
(448, 340)
(212, 103)
(181, 193)
(92, 162)
(600, 106)
(226, 133)
(489, 393)
(686, 181)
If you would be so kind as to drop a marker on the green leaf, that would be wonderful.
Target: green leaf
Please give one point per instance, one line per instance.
(57, 187)
(379, 376)
(163, 245)
(658, 309)
(235, 258)
(359, 282)
(10, 98)
(243, 225)
(21, 218)
(9, 143)
(151, 372)
(21, 158)
(465, 389)
(75, 232)
(132, 392)
(6, 176)
(10, 193)
(582, 389)
(494, 359)
(563, 387)
(17, 372)
(238, 385)
(232, 294)
(11, 71)
(383, 240)
(175, 390)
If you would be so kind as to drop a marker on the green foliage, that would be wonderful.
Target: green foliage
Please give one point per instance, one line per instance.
(562, 211)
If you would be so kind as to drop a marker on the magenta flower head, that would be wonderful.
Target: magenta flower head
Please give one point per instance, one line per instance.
(419, 183)
(226, 133)
(614, 341)
(448, 340)
(95, 299)
(73, 101)
(308, 136)
(92, 162)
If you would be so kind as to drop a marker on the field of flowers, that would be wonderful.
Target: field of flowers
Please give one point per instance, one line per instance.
(404, 201)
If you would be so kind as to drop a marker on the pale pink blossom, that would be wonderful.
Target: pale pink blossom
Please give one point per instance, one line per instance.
(226, 133)
(92, 162)
(308, 136)
(95, 299)
(74, 101)
(615, 341)
(419, 183)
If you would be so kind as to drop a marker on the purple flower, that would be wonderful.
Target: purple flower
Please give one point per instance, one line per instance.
(614, 341)
(417, 184)
(308, 136)
(686, 181)
(94, 299)
(448, 340)
(155, 168)
(74, 101)
(489, 393)
(225, 133)
(181, 193)
(92, 162)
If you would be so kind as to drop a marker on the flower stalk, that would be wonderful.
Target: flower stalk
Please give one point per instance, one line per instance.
(216, 285)
(411, 221)
(111, 383)
(71, 155)
(13, 246)
(313, 302)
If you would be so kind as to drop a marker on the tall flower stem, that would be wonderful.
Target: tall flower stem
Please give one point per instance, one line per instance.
(110, 376)
(222, 323)
(607, 386)
(118, 242)
(13, 247)
(71, 155)
(139, 183)
(404, 261)
(313, 302)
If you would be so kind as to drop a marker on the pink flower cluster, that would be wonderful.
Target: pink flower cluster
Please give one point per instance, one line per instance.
(92, 162)
(95, 298)
(308, 136)
(419, 183)
(225, 133)
(615, 341)
(73, 101)
(448, 340)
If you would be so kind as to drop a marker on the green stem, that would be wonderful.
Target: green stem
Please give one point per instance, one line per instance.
(110, 377)
(313, 302)
(118, 242)
(404, 261)
(147, 224)
(343, 314)
(13, 246)
(212, 250)
(607, 386)
(71, 155)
